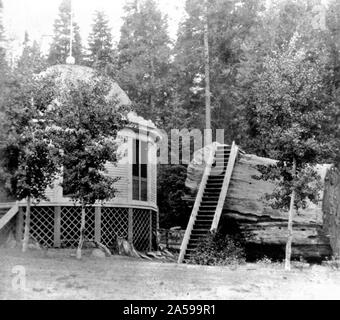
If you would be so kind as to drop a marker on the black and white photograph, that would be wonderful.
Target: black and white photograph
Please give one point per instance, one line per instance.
(169, 150)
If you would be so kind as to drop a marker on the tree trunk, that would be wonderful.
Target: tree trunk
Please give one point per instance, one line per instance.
(290, 223)
(27, 225)
(82, 230)
(207, 79)
(152, 91)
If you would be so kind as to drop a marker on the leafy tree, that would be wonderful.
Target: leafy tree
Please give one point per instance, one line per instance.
(3, 63)
(60, 47)
(86, 120)
(100, 43)
(173, 209)
(144, 57)
(27, 157)
(288, 117)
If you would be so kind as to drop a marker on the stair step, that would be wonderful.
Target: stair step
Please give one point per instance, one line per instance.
(218, 171)
(205, 218)
(205, 214)
(217, 184)
(215, 178)
(202, 224)
(212, 199)
(210, 209)
(212, 195)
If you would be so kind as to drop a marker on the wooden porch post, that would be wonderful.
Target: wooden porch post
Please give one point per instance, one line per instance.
(19, 225)
(150, 233)
(130, 226)
(97, 223)
(57, 226)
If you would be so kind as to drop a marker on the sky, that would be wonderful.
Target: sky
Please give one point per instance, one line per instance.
(37, 17)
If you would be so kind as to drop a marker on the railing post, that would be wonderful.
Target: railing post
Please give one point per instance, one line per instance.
(150, 231)
(19, 225)
(97, 223)
(57, 226)
(130, 226)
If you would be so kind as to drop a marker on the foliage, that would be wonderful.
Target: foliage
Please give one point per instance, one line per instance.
(3, 63)
(100, 43)
(231, 24)
(288, 119)
(144, 58)
(31, 61)
(60, 46)
(173, 209)
(218, 250)
(28, 157)
(85, 121)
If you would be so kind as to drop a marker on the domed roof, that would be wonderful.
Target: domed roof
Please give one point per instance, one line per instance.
(76, 73)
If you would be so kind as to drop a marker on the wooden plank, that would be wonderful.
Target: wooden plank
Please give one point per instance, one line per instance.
(8, 216)
(150, 231)
(57, 226)
(97, 223)
(130, 226)
(19, 225)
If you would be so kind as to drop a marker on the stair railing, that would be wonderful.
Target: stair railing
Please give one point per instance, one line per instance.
(9, 215)
(225, 186)
(198, 200)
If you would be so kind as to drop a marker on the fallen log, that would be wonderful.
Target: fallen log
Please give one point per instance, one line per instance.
(248, 214)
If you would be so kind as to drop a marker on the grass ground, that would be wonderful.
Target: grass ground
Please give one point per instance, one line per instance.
(58, 275)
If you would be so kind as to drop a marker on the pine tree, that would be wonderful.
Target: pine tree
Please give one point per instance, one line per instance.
(60, 47)
(230, 25)
(100, 42)
(31, 60)
(144, 58)
(3, 63)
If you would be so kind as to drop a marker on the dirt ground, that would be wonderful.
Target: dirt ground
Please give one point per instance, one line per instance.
(58, 275)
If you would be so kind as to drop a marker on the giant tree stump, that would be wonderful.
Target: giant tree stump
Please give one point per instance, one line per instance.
(248, 213)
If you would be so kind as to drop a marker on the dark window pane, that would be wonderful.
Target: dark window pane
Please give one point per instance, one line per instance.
(135, 170)
(144, 170)
(135, 187)
(144, 191)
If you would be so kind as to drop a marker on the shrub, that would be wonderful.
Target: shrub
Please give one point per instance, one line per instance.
(218, 250)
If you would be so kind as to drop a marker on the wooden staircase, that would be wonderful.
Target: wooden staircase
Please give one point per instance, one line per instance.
(210, 198)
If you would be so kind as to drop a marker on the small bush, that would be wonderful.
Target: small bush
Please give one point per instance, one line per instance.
(218, 250)
(333, 262)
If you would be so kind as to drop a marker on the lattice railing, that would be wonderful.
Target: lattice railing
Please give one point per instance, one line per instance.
(154, 230)
(114, 223)
(71, 223)
(141, 229)
(70, 226)
(42, 225)
(51, 227)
